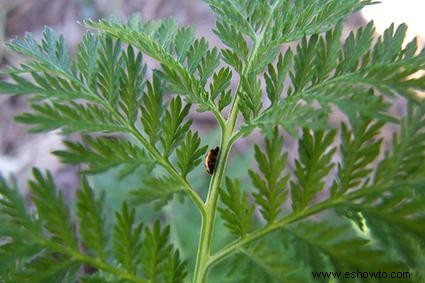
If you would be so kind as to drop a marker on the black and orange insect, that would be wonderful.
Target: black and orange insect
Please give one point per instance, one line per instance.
(211, 160)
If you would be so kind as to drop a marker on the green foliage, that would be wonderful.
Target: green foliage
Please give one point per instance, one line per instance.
(189, 153)
(159, 190)
(127, 238)
(155, 250)
(262, 261)
(16, 221)
(407, 150)
(319, 65)
(92, 220)
(70, 118)
(152, 109)
(359, 148)
(185, 72)
(272, 190)
(237, 213)
(101, 154)
(52, 209)
(174, 128)
(133, 120)
(312, 167)
(324, 247)
(53, 242)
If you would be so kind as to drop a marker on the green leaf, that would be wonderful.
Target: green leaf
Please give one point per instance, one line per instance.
(232, 59)
(17, 232)
(271, 188)
(156, 189)
(229, 11)
(309, 17)
(189, 154)
(184, 40)
(44, 86)
(86, 60)
(251, 95)
(165, 32)
(50, 55)
(275, 78)
(175, 269)
(326, 247)
(312, 166)
(221, 82)
(92, 220)
(396, 222)
(52, 210)
(110, 68)
(404, 161)
(174, 127)
(132, 84)
(225, 99)
(104, 153)
(209, 63)
(155, 250)
(48, 268)
(70, 118)
(237, 211)
(232, 38)
(150, 40)
(265, 260)
(383, 65)
(303, 74)
(13, 208)
(127, 238)
(358, 66)
(196, 52)
(152, 109)
(291, 114)
(360, 146)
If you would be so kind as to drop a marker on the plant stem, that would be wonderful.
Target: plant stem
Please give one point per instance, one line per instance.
(319, 207)
(79, 257)
(227, 140)
(197, 201)
(234, 246)
(204, 245)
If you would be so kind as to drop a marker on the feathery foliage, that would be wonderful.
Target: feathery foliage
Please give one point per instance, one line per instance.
(272, 189)
(238, 211)
(101, 154)
(52, 240)
(364, 189)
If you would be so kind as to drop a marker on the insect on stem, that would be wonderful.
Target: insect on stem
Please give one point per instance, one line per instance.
(211, 160)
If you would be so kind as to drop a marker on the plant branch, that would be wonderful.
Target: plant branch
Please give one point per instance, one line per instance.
(227, 140)
(93, 262)
(165, 163)
(319, 207)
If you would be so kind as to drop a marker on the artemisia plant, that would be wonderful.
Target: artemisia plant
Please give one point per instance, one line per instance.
(367, 194)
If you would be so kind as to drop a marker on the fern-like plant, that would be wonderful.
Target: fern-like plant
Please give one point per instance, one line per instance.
(350, 201)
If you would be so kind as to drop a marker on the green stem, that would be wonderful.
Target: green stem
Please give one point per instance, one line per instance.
(204, 245)
(170, 169)
(319, 207)
(77, 256)
(236, 245)
(227, 139)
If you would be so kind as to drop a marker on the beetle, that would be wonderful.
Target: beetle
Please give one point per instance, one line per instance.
(211, 160)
